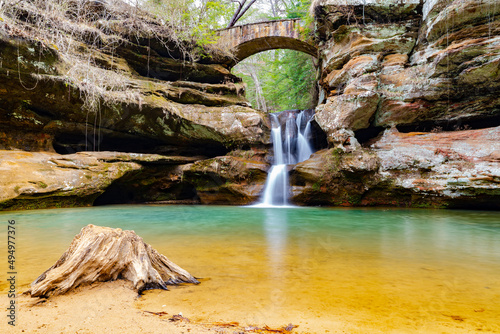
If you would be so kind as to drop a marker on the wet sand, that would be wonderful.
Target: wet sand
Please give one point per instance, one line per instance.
(98, 308)
(114, 307)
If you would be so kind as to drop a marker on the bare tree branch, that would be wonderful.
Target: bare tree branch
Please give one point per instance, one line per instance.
(242, 9)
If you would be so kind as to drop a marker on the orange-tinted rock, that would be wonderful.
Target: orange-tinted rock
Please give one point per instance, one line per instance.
(347, 111)
(448, 169)
(396, 59)
(443, 68)
(393, 112)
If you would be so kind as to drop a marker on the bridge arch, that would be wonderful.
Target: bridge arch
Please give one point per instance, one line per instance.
(249, 39)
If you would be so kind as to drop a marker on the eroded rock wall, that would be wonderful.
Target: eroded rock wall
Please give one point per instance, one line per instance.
(111, 86)
(424, 77)
(391, 64)
(410, 104)
(40, 110)
(458, 169)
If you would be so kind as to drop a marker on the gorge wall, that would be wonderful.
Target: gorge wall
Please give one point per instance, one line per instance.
(409, 103)
(106, 79)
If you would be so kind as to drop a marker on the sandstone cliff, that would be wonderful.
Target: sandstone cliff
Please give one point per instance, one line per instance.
(103, 76)
(430, 72)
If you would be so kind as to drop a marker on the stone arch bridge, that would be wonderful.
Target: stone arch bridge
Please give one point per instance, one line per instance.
(249, 39)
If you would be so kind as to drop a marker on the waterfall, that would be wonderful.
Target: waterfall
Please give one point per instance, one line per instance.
(290, 134)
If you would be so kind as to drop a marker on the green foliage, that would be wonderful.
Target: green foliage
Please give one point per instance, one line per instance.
(192, 19)
(279, 80)
(297, 9)
(213, 16)
(292, 80)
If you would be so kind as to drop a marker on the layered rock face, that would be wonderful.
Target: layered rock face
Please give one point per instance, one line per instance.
(408, 66)
(41, 110)
(115, 81)
(459, 169)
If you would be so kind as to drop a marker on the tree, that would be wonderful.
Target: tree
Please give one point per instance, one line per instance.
(196, 19)
(250, 70)
(240, 11)
(279, 79)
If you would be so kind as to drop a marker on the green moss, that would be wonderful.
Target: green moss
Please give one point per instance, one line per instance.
(336, 159)
(316, 186)
(341, 33)
(337, 152)
(48, 202)
(42, 184)
(354, 199)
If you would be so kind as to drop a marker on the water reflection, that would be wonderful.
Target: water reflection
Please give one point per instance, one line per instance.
(276, 231)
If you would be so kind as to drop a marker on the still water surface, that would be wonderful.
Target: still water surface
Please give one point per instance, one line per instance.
(326, 270)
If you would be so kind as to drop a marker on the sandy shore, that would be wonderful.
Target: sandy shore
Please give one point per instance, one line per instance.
(114, 307)
(110, 307)
(99, 308)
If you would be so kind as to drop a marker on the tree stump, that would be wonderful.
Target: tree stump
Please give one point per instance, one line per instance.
(104, 254)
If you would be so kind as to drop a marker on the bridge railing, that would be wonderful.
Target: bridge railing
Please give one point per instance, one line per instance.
(260, 22)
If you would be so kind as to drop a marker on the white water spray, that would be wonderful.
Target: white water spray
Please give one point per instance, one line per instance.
(291, 149)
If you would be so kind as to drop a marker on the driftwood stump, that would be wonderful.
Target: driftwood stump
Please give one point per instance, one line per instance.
(105, 254)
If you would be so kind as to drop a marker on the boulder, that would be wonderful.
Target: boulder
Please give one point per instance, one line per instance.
(346, 111)
(454, 169)
(334, 177)
(228, 179)
(32, 180)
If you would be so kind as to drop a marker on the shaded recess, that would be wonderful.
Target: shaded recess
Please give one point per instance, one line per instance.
(319, 139)
(152, 183)
(105, 140)
(364, 135)
(451, 125)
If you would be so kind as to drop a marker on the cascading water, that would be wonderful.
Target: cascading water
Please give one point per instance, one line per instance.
(304, 149)
(290, 146)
